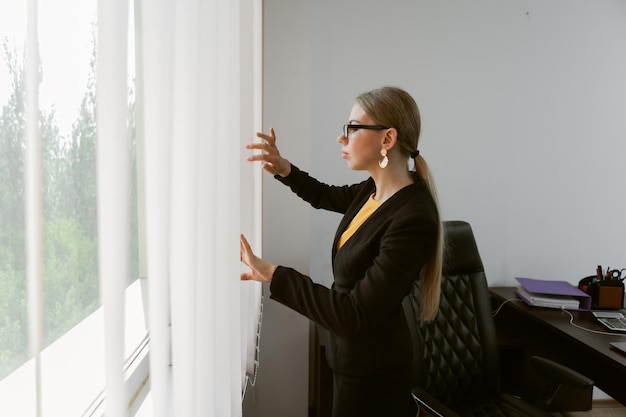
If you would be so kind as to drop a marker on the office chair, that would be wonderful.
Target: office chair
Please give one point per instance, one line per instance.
(456, 370)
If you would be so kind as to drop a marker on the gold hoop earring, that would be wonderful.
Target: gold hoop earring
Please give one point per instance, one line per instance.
(385, 161)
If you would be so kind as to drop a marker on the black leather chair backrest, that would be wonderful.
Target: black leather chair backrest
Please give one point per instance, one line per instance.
(461, 254)
(456, 354)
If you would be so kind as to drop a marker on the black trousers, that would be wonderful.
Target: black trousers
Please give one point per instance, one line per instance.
(386, 395)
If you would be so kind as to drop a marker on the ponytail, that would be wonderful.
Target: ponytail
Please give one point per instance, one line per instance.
(431, 273)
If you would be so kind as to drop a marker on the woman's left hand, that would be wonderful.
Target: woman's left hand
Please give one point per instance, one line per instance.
(262, 270)
(272, 161)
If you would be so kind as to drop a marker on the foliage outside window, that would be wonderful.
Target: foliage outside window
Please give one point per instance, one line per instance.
(71, 290)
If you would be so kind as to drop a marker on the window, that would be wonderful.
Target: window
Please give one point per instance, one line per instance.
(68, 376)
(71, 363)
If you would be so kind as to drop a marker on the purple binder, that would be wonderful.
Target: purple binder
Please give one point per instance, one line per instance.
(555, 288)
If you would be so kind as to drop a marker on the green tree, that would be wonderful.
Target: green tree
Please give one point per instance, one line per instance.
(71, 276)
(13, 330)
(70, 216)
(71, 262)
(12, 161)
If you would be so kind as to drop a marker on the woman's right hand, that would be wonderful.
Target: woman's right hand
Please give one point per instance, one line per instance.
(270, 157)
(261, 270)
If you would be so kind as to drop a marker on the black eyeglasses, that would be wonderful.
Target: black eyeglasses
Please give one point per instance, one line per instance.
(347, 128)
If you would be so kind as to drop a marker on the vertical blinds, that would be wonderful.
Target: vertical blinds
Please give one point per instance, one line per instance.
(34, 198)
(113, 180)
(199, 101)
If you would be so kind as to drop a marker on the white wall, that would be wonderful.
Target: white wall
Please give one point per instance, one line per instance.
(524, 125)
(282, 384)
(524, 119)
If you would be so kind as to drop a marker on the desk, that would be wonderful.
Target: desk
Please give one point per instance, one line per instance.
(548, 332)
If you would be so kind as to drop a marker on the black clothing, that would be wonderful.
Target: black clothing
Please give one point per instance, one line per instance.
(373, 271)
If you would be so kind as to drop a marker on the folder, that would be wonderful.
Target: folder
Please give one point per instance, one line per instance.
(554, 294)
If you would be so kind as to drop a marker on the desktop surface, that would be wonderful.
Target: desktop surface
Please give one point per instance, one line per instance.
(548, 332)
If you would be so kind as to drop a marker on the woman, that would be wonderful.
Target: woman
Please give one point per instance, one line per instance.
(390, 236)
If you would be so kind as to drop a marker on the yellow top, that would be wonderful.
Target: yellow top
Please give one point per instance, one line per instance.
(368, 208)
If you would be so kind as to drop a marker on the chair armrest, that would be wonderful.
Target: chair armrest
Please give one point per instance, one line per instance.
(555, 372)
(562, 389)
(430, 405)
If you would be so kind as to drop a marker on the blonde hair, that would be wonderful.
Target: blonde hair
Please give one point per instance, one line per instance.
(431, 273)
(394, 107)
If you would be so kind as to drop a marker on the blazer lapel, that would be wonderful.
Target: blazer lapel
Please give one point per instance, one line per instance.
(354, 208)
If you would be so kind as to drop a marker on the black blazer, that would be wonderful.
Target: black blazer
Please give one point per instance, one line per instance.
(373, 272)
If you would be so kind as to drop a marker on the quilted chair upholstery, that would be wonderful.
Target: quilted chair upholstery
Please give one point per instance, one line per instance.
(456, 363)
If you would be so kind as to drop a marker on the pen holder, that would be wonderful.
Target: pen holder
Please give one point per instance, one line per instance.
(606, 293)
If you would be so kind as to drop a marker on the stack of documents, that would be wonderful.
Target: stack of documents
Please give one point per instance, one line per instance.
(552, 294)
